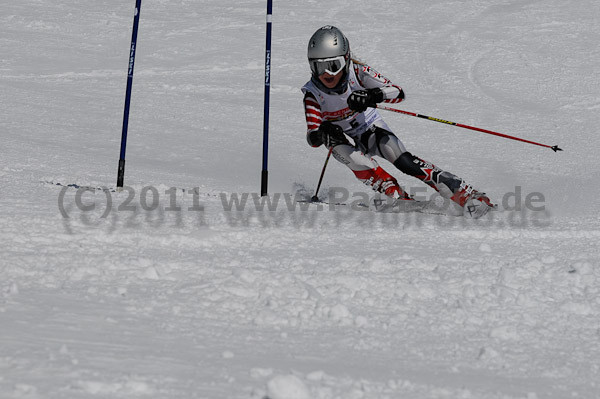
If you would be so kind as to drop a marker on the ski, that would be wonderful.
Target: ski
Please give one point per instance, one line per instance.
(433, 206)
(399, 205)
(384, 206)
(436, 205)
(319, 202)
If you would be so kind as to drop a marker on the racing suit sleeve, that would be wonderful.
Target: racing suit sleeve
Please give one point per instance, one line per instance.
(369, 78)
(313, 120)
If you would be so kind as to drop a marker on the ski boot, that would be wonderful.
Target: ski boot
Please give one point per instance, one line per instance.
(475, 204)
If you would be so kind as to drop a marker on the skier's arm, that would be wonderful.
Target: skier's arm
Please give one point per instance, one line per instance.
(313, 120)
(371, 80)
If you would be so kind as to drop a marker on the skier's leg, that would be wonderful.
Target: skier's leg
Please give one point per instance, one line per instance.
(428, 173)
(384, 143)
(380, 141)
(447, 184)
(368, 171)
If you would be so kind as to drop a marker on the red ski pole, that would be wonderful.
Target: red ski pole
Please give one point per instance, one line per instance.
(553, 147)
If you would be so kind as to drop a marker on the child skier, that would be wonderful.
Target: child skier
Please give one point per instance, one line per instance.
(340, 100)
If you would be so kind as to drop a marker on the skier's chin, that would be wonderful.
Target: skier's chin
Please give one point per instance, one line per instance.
(329, 81)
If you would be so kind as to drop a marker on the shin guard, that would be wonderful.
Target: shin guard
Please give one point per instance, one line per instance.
(427, 172)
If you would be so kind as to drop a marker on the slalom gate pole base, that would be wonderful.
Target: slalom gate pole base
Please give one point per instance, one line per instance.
(120, 175)
(264, 181)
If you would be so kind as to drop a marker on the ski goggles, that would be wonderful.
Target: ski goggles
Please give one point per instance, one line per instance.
(332, 66)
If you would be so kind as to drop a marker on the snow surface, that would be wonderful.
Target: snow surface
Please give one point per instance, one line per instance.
(210, 303)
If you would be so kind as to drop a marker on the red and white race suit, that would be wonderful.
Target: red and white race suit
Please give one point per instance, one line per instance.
(372, 137)
(322, 106)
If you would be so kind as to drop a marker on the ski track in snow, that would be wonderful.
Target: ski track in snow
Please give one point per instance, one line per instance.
(322, 303)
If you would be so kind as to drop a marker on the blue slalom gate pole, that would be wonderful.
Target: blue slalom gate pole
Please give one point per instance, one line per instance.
(136, 21)
(265, 169)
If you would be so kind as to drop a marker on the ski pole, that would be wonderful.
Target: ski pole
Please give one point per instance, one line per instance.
(315, 198)
(555, 148)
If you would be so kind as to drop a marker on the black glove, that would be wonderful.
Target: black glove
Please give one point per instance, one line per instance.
(360, 100)
(332, 135)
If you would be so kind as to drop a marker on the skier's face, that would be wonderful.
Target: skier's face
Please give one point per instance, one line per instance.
(330, 81)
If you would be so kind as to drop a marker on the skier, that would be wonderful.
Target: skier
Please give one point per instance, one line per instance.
(340, 101)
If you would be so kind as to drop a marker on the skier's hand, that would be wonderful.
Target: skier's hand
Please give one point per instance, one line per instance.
(332, 135)
(360, 100)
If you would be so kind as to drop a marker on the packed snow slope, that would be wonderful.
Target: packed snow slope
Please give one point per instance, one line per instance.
(172, 289)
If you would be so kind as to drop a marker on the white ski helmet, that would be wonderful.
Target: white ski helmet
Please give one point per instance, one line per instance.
(328, 51)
